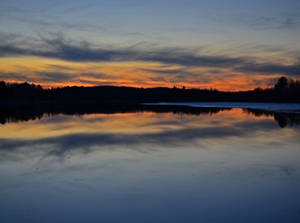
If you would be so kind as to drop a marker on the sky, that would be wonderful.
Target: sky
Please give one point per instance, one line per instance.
(227, 45)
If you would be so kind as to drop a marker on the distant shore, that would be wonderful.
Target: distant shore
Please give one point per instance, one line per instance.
(284, 91)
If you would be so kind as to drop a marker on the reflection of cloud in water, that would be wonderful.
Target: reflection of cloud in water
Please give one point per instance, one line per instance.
(282, 171)
(141, 161)
(288, 170)
(225, 132)
(83, 143)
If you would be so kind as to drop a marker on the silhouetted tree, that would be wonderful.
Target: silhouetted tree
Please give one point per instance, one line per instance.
(258, 89)
(281, 119)
(282, 84)
(3, 91)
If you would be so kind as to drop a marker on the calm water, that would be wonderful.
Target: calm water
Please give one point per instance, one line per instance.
(225, 166)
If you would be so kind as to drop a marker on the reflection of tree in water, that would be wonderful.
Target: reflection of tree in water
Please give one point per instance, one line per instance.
(32, 112)
(16, 115)
(283, 119)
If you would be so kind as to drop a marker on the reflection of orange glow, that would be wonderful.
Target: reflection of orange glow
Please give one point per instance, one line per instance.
(128, 123)
(56, 73)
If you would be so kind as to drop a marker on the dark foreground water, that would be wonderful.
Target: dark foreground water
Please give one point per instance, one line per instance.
(226, 165)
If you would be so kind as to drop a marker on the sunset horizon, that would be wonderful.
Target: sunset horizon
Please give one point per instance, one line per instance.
(230, 46)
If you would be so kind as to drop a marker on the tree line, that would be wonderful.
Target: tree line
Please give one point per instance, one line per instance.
(284, 90)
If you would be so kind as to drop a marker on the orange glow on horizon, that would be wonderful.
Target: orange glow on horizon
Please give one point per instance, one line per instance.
(56, 73)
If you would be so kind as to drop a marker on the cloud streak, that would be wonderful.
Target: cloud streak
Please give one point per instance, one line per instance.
(61, 48)
(69, 50)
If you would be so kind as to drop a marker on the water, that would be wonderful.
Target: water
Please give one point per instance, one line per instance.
(273, 107)
(224, 165)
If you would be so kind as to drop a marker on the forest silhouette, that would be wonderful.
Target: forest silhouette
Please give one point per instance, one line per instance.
(286, 91)
(24, 101)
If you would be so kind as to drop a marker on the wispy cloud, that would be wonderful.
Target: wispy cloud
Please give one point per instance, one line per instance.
(289, 22)
(65, 49)
(56, 77)
(39, 77)
(269, 68)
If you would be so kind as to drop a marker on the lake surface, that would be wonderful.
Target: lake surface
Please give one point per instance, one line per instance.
(145, 165)
(272, 107)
